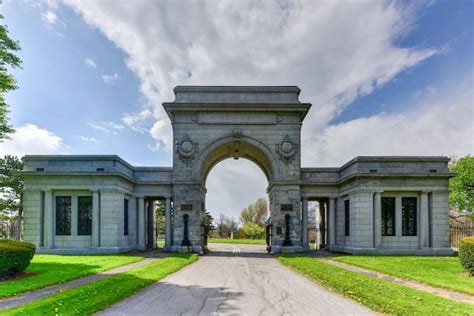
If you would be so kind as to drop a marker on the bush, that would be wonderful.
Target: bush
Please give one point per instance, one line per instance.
(15, 256)
(466, 253)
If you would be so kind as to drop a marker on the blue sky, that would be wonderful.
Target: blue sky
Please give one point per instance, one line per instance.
(384, 77)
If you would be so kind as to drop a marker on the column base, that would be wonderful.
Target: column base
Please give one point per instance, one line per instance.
(287, 249)
(184, 249)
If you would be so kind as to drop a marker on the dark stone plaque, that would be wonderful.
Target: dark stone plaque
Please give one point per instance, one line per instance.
(186, 207)
(287, 207)
(279, 230)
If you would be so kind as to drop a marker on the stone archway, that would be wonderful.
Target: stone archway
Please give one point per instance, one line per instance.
(261, 124)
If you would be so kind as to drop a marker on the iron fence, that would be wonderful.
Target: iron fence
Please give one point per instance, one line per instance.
(457, 233)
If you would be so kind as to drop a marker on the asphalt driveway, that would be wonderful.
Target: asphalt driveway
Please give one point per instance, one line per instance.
(238, 280)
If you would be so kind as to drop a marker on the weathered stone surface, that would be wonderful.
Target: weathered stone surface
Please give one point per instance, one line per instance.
(262, 124)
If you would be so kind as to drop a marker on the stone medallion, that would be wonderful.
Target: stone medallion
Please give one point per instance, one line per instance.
(287, 149)
(186, 148)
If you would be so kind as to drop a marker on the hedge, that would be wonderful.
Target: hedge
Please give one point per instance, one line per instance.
(466, 253)
(15, 256)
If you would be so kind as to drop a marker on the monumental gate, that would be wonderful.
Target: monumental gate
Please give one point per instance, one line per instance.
(97, 204)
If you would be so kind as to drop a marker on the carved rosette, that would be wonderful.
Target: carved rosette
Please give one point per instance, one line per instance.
(287, 149)
(186, 149)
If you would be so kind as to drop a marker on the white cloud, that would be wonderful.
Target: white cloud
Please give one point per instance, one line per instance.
(89, 62)
(335, 51)
(441, 126)
(106, 127)
(136, 120)
(89, 139)
(31, 139)
(232, 185)
(110, 79)
(49, 17)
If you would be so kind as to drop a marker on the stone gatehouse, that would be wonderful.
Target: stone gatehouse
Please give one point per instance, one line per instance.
(100, 204)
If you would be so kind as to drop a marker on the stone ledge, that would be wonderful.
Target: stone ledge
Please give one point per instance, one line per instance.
(401, 251)
(84, 251)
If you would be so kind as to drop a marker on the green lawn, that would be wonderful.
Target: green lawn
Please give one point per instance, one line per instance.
(444, 272)
(237, 241)
(54, 269)
(379, 295)
(93, 297)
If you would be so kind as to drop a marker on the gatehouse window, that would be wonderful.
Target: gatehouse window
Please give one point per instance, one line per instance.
(409, 216)
(63, 215)
(125, 217)
(346, 217)
(84, 215)
(388, 216)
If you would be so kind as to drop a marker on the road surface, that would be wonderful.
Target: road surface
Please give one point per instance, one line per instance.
(238, 280)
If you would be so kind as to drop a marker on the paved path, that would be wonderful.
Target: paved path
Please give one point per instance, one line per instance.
(50, 290)
(236, 279)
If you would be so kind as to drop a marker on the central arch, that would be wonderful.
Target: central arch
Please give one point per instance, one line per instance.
(241, 147)
(231, 147)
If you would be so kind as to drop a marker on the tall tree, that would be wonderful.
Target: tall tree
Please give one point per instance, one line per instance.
(208, 227)
(255, 213)
(160, 217)
(11, 191)
(8, 48)
(461, 187)
(225, 226)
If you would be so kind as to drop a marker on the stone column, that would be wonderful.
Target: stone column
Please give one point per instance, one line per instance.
(423, 233)
(322, 224)
(48, 221)
(95, 219)
(332, 223)
(141, 223)
(377, 220)
(168, 225)
(304, 223)
(153, 224)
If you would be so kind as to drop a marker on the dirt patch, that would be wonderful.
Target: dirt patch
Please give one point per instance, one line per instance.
(18, 276)
(466, 274)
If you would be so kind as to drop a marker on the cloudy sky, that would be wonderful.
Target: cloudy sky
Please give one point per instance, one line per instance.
(384, 77)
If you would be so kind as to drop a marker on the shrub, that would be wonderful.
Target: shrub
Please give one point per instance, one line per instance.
(466, 253)
(15, 256)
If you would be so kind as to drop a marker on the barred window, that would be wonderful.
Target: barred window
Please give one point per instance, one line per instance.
(63, 215)
(409, 214)
(388, 216)
(84, 215)
(346, 217)
(125, 217)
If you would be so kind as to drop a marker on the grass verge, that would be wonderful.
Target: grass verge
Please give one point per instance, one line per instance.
(48, 270)
(379, 295)
(96, 296)
(237, 241)
(443, 272)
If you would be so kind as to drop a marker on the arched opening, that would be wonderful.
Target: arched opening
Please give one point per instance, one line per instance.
(236, 198)
(236, 148)
(233, 185)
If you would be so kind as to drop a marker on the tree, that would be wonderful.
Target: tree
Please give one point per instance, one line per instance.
(226, 225)
(253, 230)
(8, 47)
(255, 213)
(11, 191)
(208, 227)
(160, 217)
(461, 187)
